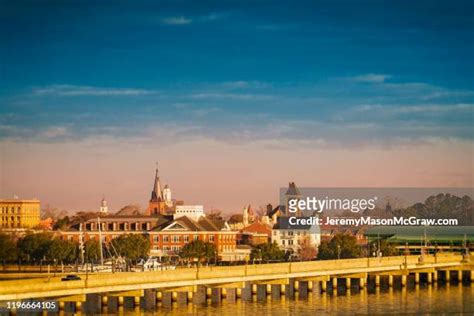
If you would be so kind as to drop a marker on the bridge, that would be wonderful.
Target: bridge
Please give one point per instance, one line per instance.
(278, 278)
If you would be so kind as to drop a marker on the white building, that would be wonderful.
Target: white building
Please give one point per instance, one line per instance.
(289, 237)
(191, 211)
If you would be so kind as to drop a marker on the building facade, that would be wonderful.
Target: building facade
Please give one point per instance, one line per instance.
(193, 211)
(16, 213)
(167, 235)
(291, 238)
(255, 234)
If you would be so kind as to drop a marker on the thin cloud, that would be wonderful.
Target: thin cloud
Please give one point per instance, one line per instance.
(234, 96)
(55, 132)
(240, 84)
(177, 20)
(430, 108)
(371, 78)
(213, 16)
(71, 90)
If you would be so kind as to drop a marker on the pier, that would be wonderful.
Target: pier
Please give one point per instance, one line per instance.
(197, 285)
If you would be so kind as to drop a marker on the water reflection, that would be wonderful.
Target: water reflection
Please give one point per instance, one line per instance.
(414, 300)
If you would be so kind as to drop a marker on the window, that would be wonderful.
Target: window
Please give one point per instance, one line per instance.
(176, 238)
(186, 238)
(156, 238)
(211, 238)
(196, 237)
(283, 242)
(290, 242)
(290, 233)
(175, 248)
(166, 238)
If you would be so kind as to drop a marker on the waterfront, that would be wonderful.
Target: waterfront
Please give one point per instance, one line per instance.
(422, 299)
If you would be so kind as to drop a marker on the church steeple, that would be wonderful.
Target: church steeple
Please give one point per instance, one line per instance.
(156, 194)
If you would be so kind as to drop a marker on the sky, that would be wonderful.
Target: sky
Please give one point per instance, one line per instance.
(233, 99)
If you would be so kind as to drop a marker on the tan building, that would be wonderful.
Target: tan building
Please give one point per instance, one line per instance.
(16, 213)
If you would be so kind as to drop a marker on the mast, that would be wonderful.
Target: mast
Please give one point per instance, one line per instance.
(81, 244)
(100, 243)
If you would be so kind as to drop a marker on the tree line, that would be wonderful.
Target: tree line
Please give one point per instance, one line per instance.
(45, 248)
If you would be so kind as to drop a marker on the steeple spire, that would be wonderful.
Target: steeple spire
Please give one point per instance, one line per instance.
(156, 194)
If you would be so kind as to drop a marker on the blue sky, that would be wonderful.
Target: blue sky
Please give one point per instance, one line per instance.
(335, 74)
(221, 62)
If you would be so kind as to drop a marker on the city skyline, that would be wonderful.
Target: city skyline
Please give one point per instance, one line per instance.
(233, 100)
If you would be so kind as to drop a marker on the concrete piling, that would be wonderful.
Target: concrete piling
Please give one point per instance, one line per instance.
(199, 296)
(247, 292)
(303, 290)
(261, 292)
(276, 291)
(231, 295)
(167, 299)
(182, 298)
(216, 295)
(290, 289)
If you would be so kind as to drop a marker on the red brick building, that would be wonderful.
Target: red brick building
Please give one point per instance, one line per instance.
(167, 235)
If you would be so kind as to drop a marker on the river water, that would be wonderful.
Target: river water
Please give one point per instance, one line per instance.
(422, 299)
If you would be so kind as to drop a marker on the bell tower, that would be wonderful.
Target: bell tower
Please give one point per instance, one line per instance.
(103, 206)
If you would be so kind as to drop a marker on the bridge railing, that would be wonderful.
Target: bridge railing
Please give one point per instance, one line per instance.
(138, 280)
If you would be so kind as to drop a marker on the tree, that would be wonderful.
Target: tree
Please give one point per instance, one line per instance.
(267, 252)
(61, 250)
(133, 246)
(132, 209)
(306, 250)
(91, 250)
(82, 217)
(215, 214)
(198, 249)
(341, 246)
(8, 249)
(62, 223)
(52, 212)
(442, 206)
(261, 211)
(386, 248)
(34, 246)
